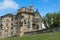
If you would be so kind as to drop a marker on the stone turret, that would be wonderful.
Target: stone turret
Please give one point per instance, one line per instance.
(31, 7)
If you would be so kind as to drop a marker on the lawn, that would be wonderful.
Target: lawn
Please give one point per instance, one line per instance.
(45, 36)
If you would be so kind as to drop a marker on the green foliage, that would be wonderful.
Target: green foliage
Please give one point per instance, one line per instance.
(51, 20)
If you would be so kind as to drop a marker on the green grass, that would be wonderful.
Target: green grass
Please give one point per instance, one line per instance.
(46, 36)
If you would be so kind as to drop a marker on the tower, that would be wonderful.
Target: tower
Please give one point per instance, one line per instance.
(31, 7)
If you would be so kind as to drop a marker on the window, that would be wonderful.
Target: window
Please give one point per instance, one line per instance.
(36, 20)
(12, 24)
(11, 28)
(28, 24)
(7, 20)
(6, 30)
(1, 25)
(20, 16)
(12, 19)
(24, 21)
(16, 17)
(27, 16)
(35, 27)
(16, 26)
(12, 33)
(6, 24)
(20, 23)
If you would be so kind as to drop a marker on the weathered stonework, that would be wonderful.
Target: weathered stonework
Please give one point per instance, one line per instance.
(25, 20)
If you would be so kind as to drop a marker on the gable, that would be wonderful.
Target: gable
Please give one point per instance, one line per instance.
(37, 14)
(24, 9)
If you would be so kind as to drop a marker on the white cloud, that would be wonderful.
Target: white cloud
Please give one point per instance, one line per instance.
(8, 4)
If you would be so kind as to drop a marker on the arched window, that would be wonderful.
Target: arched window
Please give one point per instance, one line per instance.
(35, 27)
(28, 24)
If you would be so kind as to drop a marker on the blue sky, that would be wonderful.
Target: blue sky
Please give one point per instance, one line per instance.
(44, 6)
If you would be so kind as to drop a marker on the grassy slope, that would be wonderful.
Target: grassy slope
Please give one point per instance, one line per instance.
(46, 36)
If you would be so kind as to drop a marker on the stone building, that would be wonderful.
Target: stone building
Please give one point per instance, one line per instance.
(8, 27)
(0, 27)
(26, 20)
(29, 20)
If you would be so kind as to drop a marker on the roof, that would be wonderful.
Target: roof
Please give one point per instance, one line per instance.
(7, 15)
(25, 9)
(38, 13)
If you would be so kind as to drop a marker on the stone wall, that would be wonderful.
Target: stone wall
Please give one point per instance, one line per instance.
(49, 30)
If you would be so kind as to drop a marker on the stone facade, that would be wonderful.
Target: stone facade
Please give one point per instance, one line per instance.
(7, 23)
(25, 20)
(0, 32)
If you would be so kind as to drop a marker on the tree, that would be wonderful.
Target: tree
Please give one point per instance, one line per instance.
(51, 20)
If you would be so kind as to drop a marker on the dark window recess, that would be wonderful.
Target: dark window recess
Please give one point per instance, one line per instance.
(12, 33)
(22, 16)
(11, 24)
(35, 27)
(20, 23)
(11, 28)
(7, 20)
(24, 21)
(19, 16)
(1, 24)
(12, 19)
(28, 24)
(1, 27)
(6, 24)
(16, 22)
(16, 17)
(6, 30)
